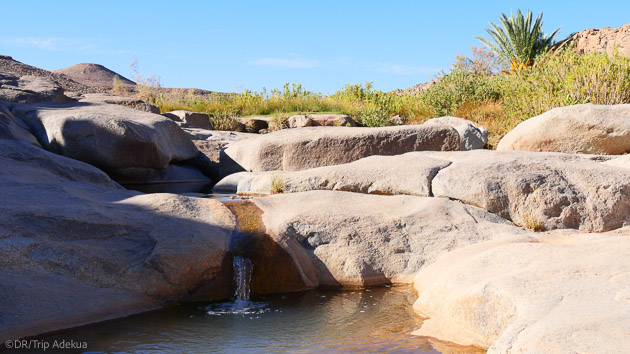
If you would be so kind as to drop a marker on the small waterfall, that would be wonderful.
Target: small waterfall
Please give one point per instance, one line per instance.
(242, 277)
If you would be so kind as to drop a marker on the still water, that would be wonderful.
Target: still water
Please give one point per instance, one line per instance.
(370, 320)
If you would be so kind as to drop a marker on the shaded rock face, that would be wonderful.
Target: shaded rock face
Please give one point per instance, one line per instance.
(110, 137)
(66, 228)
(29, 89)
(191, 119)
(547, 294)
(471, 136)
(350, 239)
(299, 149)
(604, 39)
(585, 128)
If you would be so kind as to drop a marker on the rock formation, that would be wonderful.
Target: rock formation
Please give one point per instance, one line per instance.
(609, 40)
(585, 128)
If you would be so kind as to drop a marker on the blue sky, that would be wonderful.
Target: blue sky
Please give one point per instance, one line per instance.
(231, 45)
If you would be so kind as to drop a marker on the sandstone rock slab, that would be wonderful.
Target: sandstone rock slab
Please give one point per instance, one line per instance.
(299, 149)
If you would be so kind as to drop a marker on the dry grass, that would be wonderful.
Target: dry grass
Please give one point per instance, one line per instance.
(533, 224)
(277, 184)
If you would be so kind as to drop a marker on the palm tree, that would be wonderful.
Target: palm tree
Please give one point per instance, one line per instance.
(519, 41)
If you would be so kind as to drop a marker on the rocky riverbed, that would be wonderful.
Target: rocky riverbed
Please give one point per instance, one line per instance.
(521, 249)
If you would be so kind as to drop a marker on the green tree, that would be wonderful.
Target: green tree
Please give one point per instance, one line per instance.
(519, 41)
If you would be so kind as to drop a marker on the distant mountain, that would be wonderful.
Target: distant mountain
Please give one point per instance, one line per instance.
(94, 75)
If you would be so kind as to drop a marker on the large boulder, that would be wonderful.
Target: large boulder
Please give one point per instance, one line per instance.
(538, 190)
(191, 119)
(608, 40)
(548, 294)
(409, 173)
(350, 239)
(29, 89)
(585, 128)
(471, 136)
(77, 248)
(299, 149)
(110, 137)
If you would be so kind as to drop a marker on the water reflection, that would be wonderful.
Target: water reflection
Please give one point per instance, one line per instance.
(372, 320)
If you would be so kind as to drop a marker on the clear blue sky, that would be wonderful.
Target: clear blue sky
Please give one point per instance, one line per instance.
(228, 45)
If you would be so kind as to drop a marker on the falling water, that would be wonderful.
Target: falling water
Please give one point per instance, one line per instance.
(242, 277)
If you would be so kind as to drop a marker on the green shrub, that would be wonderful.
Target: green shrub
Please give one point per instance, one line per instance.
(458, 87)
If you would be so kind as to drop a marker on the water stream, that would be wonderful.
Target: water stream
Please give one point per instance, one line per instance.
(242, 277)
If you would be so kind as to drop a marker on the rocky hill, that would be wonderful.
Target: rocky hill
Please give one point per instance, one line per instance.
(95, 75)
(10, 66)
